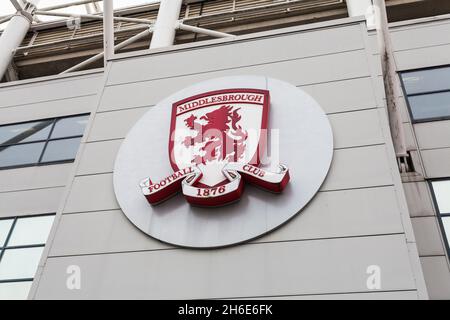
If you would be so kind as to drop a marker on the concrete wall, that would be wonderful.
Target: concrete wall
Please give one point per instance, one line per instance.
(419, 44)
(359, 218)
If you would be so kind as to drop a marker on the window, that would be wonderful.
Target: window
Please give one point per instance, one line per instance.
(428, 93)
(441, 194)
(22, 240)
(41, 142)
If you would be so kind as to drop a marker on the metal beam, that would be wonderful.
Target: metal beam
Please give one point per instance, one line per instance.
(391, 81)
(14, 34)
(358, 7)
(6, 19)
(102, 54)
(18, 4)
(166, 23)
(67, 5)
(108, 29)
(211, 33)
(92, 16)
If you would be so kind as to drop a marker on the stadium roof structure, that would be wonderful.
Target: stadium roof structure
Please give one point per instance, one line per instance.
(75, 41)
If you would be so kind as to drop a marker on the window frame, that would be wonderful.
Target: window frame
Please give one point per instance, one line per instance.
(406, 95)
(45, 141)
(439, 214)
(5, 246)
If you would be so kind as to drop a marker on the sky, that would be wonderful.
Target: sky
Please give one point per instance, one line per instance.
(7, 8)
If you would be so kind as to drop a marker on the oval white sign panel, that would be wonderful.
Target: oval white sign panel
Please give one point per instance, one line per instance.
(223, 161)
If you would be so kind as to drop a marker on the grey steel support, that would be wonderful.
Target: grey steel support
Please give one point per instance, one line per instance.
(391, 81)
(390, 77)
(97, 57)
(211, 33)
(166, 23)
(358, 7)
(108, 29)
(14, 34)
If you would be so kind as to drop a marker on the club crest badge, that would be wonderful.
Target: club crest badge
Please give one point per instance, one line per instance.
(216, 142)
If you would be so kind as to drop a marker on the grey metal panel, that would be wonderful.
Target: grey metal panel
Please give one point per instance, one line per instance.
(423, 57)
(433, 135)
(50, 90)
(35, 177)
(365, 123)
(98, 157)
(91, 193)
(427, 233)
(313, 70)
(351, 168)
(115, 124)
(358, 168)
(339, 96)
(436, 162)
(237, 54)
(49, 109)
(300, 267)
(410, 138)
(437, 276)
(425, 35)
(343, 96)
(19, 203)
(419, 199)
(358, 212)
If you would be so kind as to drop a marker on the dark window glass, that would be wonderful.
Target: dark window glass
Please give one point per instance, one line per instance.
(20, 263)
(32, 230)
(39, 142)
(15, 290)
(21, 154)
(428, 93)
(441, 193)
(430, 106)
(22, 241)
(430, 80)
(59, 150)
(69, 127)
(5, 226)
(446, 226)
(441, 190)
(25, 132)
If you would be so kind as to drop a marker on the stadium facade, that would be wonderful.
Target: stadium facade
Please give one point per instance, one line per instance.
(378, 227)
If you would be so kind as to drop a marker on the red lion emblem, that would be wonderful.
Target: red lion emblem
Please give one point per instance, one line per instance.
(217, 134)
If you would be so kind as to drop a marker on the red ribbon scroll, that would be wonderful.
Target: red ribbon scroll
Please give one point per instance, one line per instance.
(235, 172)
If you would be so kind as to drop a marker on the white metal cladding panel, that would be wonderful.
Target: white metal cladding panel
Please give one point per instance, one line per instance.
(428, 34)
(35, 177)
(29, 202)
(433, 135)
(360, 185)
(437, 276)
(42, 91)
(423, 57)
(299, 267)
(351, 168)
(310, 70)
(359, 212)
(436, 162)
(48, 109)
(419, 199)
(99, 153)
(338, 96)
(427, 232)
(238, 54)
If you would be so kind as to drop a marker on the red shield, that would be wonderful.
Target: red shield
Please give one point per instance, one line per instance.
(212, 129)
